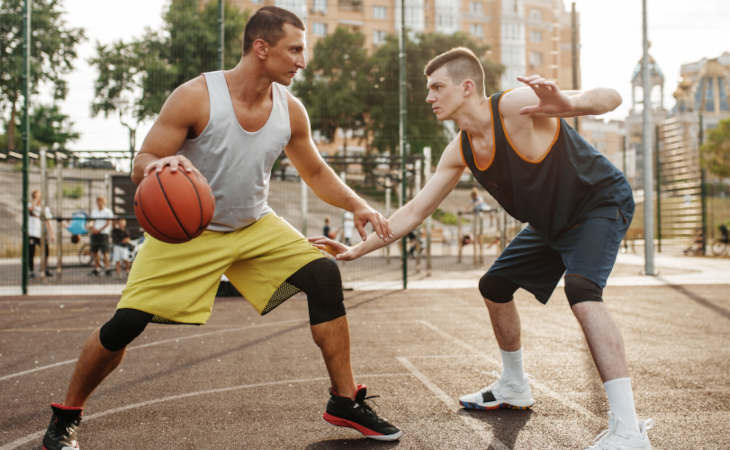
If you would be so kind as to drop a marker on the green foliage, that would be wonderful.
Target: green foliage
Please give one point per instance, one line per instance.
(53, 50)
(334, 84)
(75, 191)
(716, 150)
(445, 217)
(136, 77)
(423, 129)
(51, 128)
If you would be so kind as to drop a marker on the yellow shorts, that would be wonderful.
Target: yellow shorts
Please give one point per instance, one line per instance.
(178, 282)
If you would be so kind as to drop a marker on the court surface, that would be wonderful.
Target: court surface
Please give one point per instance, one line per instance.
(244, 381)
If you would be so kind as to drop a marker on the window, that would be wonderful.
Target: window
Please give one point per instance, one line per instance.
(380, 12)
(535, 14)
(536, 36)
(320, 6)
(379, 37)
(535, 58)
(476, 8)
(476, 29)
(319, 29)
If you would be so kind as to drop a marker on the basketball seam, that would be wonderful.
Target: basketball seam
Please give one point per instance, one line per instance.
(200, 202)
(147, 219)
(162, 188)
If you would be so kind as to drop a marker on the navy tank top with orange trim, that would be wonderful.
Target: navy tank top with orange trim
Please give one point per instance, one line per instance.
(572, 182)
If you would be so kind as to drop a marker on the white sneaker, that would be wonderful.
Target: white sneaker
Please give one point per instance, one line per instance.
(500, 394)
(617, 437)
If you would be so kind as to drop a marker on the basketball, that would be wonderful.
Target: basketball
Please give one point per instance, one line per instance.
(173, 207)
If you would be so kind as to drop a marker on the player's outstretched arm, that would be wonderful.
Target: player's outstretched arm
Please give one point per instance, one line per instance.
(182, 111)
(303, 154)
(410, 215)
(543, 98)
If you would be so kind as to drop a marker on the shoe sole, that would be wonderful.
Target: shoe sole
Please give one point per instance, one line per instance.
(477, 406)
(367, 432)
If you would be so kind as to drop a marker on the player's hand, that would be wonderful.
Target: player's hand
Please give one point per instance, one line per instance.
(551, 100)
(340, 251)
(175, 162)
(366, 215)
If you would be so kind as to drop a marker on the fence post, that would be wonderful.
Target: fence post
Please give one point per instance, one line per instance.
(59, 213)
(305, 206)
(44, 204)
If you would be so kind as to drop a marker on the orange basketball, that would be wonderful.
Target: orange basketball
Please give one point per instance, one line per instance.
(173, 207)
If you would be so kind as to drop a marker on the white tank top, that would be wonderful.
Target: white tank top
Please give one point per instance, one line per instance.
(236, 162)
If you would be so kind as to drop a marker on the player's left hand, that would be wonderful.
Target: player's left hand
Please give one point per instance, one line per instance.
(365, 215)
(551, 100)
(335, 248)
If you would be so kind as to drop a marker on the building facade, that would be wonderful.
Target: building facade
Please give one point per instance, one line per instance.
(526, 36)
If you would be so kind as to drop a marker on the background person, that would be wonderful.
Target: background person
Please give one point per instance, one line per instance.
(99, 228)
(35, 229)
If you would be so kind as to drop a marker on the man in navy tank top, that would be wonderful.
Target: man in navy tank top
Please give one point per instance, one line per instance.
(576, 204)
(229, 127)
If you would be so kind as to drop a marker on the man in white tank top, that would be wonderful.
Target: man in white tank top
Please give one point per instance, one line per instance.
(228, 127)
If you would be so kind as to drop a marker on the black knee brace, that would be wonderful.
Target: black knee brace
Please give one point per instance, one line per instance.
(321, 281)
(579, 289)
(497, 289)
(121, 329)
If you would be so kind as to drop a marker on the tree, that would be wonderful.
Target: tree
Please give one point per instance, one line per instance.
(136, 77)
(423, 129)
(53, 50)
(716, 150)
(333, 83)
(51, 128)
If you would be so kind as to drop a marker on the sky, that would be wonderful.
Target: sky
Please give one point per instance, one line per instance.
(680, 32)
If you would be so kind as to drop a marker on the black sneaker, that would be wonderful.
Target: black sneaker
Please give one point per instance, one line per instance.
(61, 432)
(345, 412)
(94, 273)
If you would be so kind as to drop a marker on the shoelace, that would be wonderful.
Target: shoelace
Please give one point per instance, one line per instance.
(367, 408)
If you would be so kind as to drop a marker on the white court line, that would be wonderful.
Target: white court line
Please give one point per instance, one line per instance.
(152, 344)
(471, 422)
(533, 382)
(39, 434)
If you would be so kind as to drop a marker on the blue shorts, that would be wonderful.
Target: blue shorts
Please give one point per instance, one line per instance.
(535, 263)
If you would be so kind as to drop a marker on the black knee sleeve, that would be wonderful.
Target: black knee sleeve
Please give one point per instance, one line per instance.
(321, 281)
(121, 329)
(579, 289)
(497, 289)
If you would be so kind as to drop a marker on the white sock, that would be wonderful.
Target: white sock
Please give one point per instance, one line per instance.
(512, 369)
(621, 400)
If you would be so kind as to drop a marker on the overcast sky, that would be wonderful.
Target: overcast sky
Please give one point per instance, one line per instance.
(680, 31)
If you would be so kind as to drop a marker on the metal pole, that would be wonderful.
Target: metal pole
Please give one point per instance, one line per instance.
(387, 214)
(402, 126)
(305, 206)
(574, 55)
(26, 143)
(221, 35)
(59, 213)
(658, 190)
(44, 192)
(426, 177)
(703, 191)
(648, 160)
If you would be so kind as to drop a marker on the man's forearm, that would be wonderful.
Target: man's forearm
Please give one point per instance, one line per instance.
(595, 102)
(402, 222)
(328, 187)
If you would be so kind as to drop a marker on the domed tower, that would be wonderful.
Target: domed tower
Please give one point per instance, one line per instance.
(634, 121)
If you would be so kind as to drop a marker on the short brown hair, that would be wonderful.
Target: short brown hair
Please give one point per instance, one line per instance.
(268, 24)
(461, 63)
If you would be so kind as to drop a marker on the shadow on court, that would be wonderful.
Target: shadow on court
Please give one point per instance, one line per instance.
(250, 382)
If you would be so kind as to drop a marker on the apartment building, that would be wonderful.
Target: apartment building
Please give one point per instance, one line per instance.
(526, 36)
